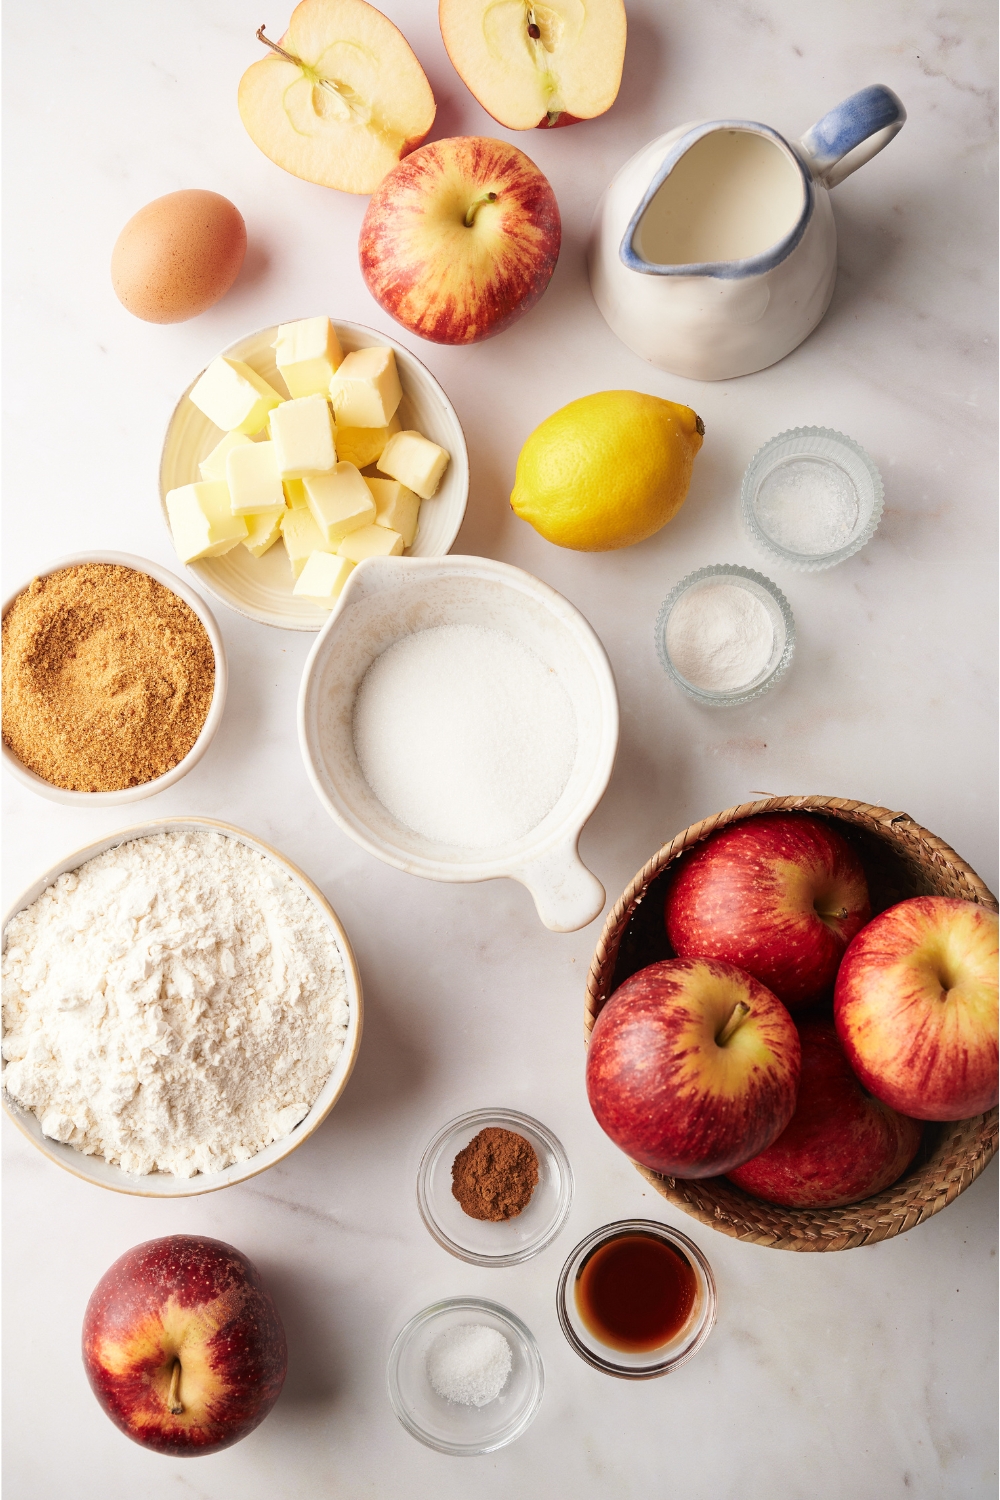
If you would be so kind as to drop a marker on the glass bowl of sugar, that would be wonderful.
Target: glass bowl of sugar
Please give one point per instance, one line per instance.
(725, 634)
(811, 498)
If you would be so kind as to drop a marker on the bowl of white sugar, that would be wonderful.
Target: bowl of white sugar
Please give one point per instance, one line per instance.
(459, 720)
(181, 1009)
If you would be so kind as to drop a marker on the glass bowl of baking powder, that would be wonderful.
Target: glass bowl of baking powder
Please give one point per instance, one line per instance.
(725, 634)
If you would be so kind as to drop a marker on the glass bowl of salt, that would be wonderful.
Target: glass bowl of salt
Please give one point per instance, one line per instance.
(811, 498)
(725, 634)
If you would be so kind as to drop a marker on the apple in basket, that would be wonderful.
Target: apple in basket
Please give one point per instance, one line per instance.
(182, 1345)
(840, 1145)
(916, 1007)
(693, 1067)
(781, 895)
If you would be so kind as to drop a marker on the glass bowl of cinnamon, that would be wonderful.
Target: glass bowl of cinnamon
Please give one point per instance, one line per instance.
(494, 1187)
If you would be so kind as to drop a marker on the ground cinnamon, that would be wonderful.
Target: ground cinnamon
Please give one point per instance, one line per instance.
(494, 1176)
(107, 677)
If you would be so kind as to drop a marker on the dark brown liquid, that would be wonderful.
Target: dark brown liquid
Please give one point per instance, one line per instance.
(635, 1292)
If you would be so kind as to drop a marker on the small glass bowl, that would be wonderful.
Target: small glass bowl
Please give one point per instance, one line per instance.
(651, 1362)
(445, 1425)
(510, 1241)
(780, 614)
(832, 466)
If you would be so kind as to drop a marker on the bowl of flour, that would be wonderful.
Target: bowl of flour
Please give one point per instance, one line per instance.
(181, 1009)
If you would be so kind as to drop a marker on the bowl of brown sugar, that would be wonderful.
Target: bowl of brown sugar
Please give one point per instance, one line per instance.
(114, 680)
(494, 1187)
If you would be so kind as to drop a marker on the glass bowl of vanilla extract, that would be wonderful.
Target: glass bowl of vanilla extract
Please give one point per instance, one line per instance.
(636, 1299)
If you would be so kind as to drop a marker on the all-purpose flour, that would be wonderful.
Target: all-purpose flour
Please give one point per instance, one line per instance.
(173, 1005)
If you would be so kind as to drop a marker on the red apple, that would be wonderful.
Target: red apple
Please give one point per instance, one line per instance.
(916, 1007)
(182, 1345)
(840, 1145)
(693, 1067)
(781, 895)
(460, 239)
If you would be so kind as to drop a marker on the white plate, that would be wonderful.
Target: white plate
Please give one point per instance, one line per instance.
(261, 587)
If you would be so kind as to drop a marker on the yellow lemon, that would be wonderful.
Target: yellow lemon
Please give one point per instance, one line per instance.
(607, 470)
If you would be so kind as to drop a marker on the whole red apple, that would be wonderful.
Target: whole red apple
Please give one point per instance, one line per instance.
(840, 1145)
(693, 1067)
(916, 1007)
(780, 895)
(460, 239)
(182, 1345)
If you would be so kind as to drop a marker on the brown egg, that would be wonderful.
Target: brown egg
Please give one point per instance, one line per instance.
(178, 256)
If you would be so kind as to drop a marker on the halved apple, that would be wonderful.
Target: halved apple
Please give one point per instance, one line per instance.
(537, 65)
(346, 101)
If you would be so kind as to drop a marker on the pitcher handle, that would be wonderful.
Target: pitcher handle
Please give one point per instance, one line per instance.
(852, 133)
(566, 895)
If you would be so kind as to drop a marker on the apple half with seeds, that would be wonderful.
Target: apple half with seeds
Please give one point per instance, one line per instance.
(537, 65)
(340, 100)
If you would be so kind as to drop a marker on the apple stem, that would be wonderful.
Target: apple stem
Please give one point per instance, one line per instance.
(324, 83)
(739, 1015)
(174, 1395)
(473, 209)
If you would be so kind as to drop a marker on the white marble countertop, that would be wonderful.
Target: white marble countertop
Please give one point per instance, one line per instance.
(852, 1375)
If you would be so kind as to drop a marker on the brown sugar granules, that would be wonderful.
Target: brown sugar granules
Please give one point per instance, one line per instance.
(494, 1176)
(107, 678)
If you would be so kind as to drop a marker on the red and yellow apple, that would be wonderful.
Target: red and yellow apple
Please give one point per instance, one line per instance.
(537, 65)
(916, 1007)
(693, 1067)
(344, 102)
(840, 1145)
(460, 239)
(780, 895)
(183, 1346)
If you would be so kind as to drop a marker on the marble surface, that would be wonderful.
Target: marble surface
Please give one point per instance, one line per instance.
(862, 1374)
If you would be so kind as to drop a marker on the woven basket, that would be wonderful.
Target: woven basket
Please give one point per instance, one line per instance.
(901, 859)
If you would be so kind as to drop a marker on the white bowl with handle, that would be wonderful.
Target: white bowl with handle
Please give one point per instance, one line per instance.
(385, 599)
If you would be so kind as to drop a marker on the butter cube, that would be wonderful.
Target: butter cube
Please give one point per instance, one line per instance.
(370, 541)
(395, 507)
(234, 397)
(365, 391)
(254, 482)
(361, 446)
(295, 493)
(322, 578)
(307, 353)
(201, 521)
(415, 461)
(214, 466)
(262, 532)
(301, 536)
(339, 502)
(302, 434)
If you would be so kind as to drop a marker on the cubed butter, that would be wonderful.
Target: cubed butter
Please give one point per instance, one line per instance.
(254, 482)
(361, 446)
(234, 397)
(295, 493)
(370, 541)
(322, 578)
(214, 466)
(262, 532)
(301, 536)
(201, 521)
(307, 353)
(302, 434)
(415, 461)
(339, 502)
(395, 507)
(365, 391)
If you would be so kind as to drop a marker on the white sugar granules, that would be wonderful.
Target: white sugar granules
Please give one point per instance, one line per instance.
(469, 1364)
(808, 506)
(464, 735)
(719, 636)
(173, 1005)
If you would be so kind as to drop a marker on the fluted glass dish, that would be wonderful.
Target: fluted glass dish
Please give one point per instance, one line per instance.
(811, 498)
(778, 611)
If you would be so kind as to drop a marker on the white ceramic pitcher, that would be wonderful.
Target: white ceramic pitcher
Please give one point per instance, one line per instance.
(714, 251)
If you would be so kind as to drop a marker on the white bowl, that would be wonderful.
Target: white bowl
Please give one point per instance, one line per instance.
(261, 587)
(163, 1184)
(212, 720)
(387, 598)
